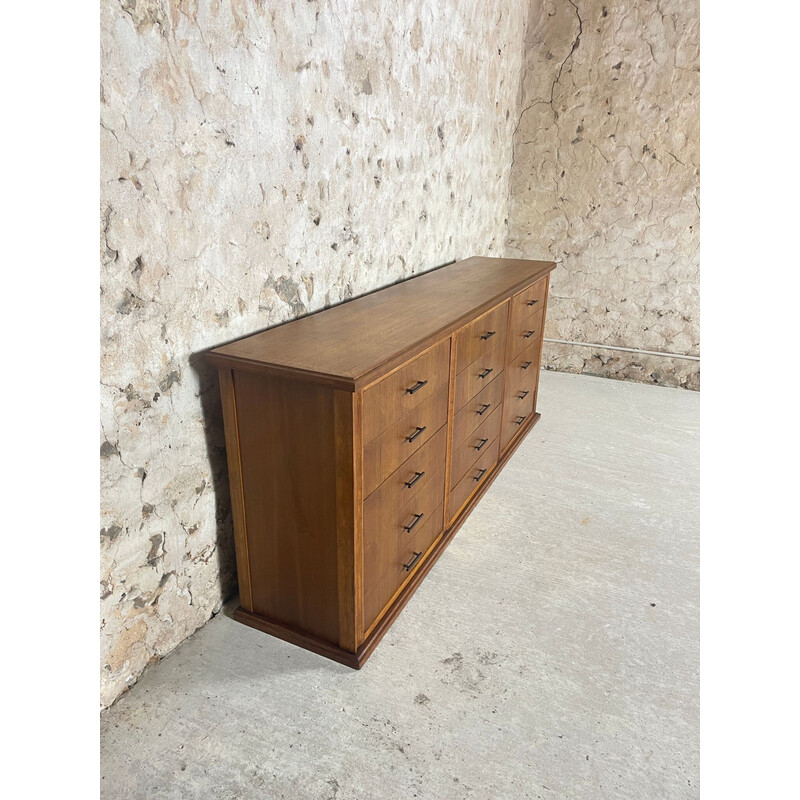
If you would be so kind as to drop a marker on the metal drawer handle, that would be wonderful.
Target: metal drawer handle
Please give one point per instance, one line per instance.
(532, 302)
(417, 476)
(416, 387)
(488, 335)
(417, 518)
(485, 372)
(528, 334)
(483, 409)
(481, 445)
(416, 433)
(409, 566)
(520, 420)
(481, 473)
(524, 395)
(526, 365)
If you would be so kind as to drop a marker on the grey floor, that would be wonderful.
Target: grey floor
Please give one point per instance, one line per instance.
(551, 653)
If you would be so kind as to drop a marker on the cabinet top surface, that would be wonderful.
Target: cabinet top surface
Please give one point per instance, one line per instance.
(356, 338)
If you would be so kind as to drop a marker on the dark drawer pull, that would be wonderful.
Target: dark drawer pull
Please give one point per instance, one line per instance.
(526, 365)
(485, 372)
(483, 409)
(528, 334)
(417, 518)
(482, 443)
(417, 476)
(488, 335)
(416, 433)
(524, 395)
(417, 386)
(481, 473)
(532, 302)
(417, 556)
(520, 420)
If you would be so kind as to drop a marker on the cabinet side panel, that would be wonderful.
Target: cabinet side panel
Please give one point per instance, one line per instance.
(288, 457)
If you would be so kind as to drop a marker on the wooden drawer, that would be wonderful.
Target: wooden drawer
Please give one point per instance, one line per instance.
(481, 336)
(477, 410)
(523, 332)
(474, 478)
(517, 408)
(410, 478)
(522, 374)
(477, 375)
(399, 561)
(385, 520)
(390, 549)
(469, 451)
(529, 300)
(404, 389)
(383, 455)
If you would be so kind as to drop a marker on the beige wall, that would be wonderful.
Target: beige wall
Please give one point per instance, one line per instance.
(260, 160)
(606, 180)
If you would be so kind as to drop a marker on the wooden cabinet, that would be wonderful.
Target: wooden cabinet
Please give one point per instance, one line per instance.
(359, 439)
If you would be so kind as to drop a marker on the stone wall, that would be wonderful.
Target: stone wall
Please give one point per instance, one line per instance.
(605, 180)
(261, 160)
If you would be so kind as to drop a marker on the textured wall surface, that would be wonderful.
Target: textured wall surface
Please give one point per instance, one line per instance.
(261, 160)
(605, 180)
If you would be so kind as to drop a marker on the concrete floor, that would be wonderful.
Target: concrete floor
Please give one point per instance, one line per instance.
(551, 653)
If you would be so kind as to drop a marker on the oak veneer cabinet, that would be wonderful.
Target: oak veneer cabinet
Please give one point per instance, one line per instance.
(360, 438)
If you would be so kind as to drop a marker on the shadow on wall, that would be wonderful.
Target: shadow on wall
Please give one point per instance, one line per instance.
(211, 404)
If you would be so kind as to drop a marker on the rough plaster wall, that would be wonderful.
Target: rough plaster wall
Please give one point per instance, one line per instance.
(260, 161)
(605, 180)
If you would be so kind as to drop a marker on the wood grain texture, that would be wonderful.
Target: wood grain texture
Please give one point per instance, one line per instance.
(228, 393)
(349, 344)
(288, 455)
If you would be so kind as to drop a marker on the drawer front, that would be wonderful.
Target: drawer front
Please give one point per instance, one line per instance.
(477, 410)
(410, 478)
(517, 411)
(392, 521)
(406, 388)
(470, 450)
(398, 562)
(474, 478)
(383, 455)
(481, 336)
(529, 300)
(390, 548)
(477, 376)
(522, 374)
(524, 331)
